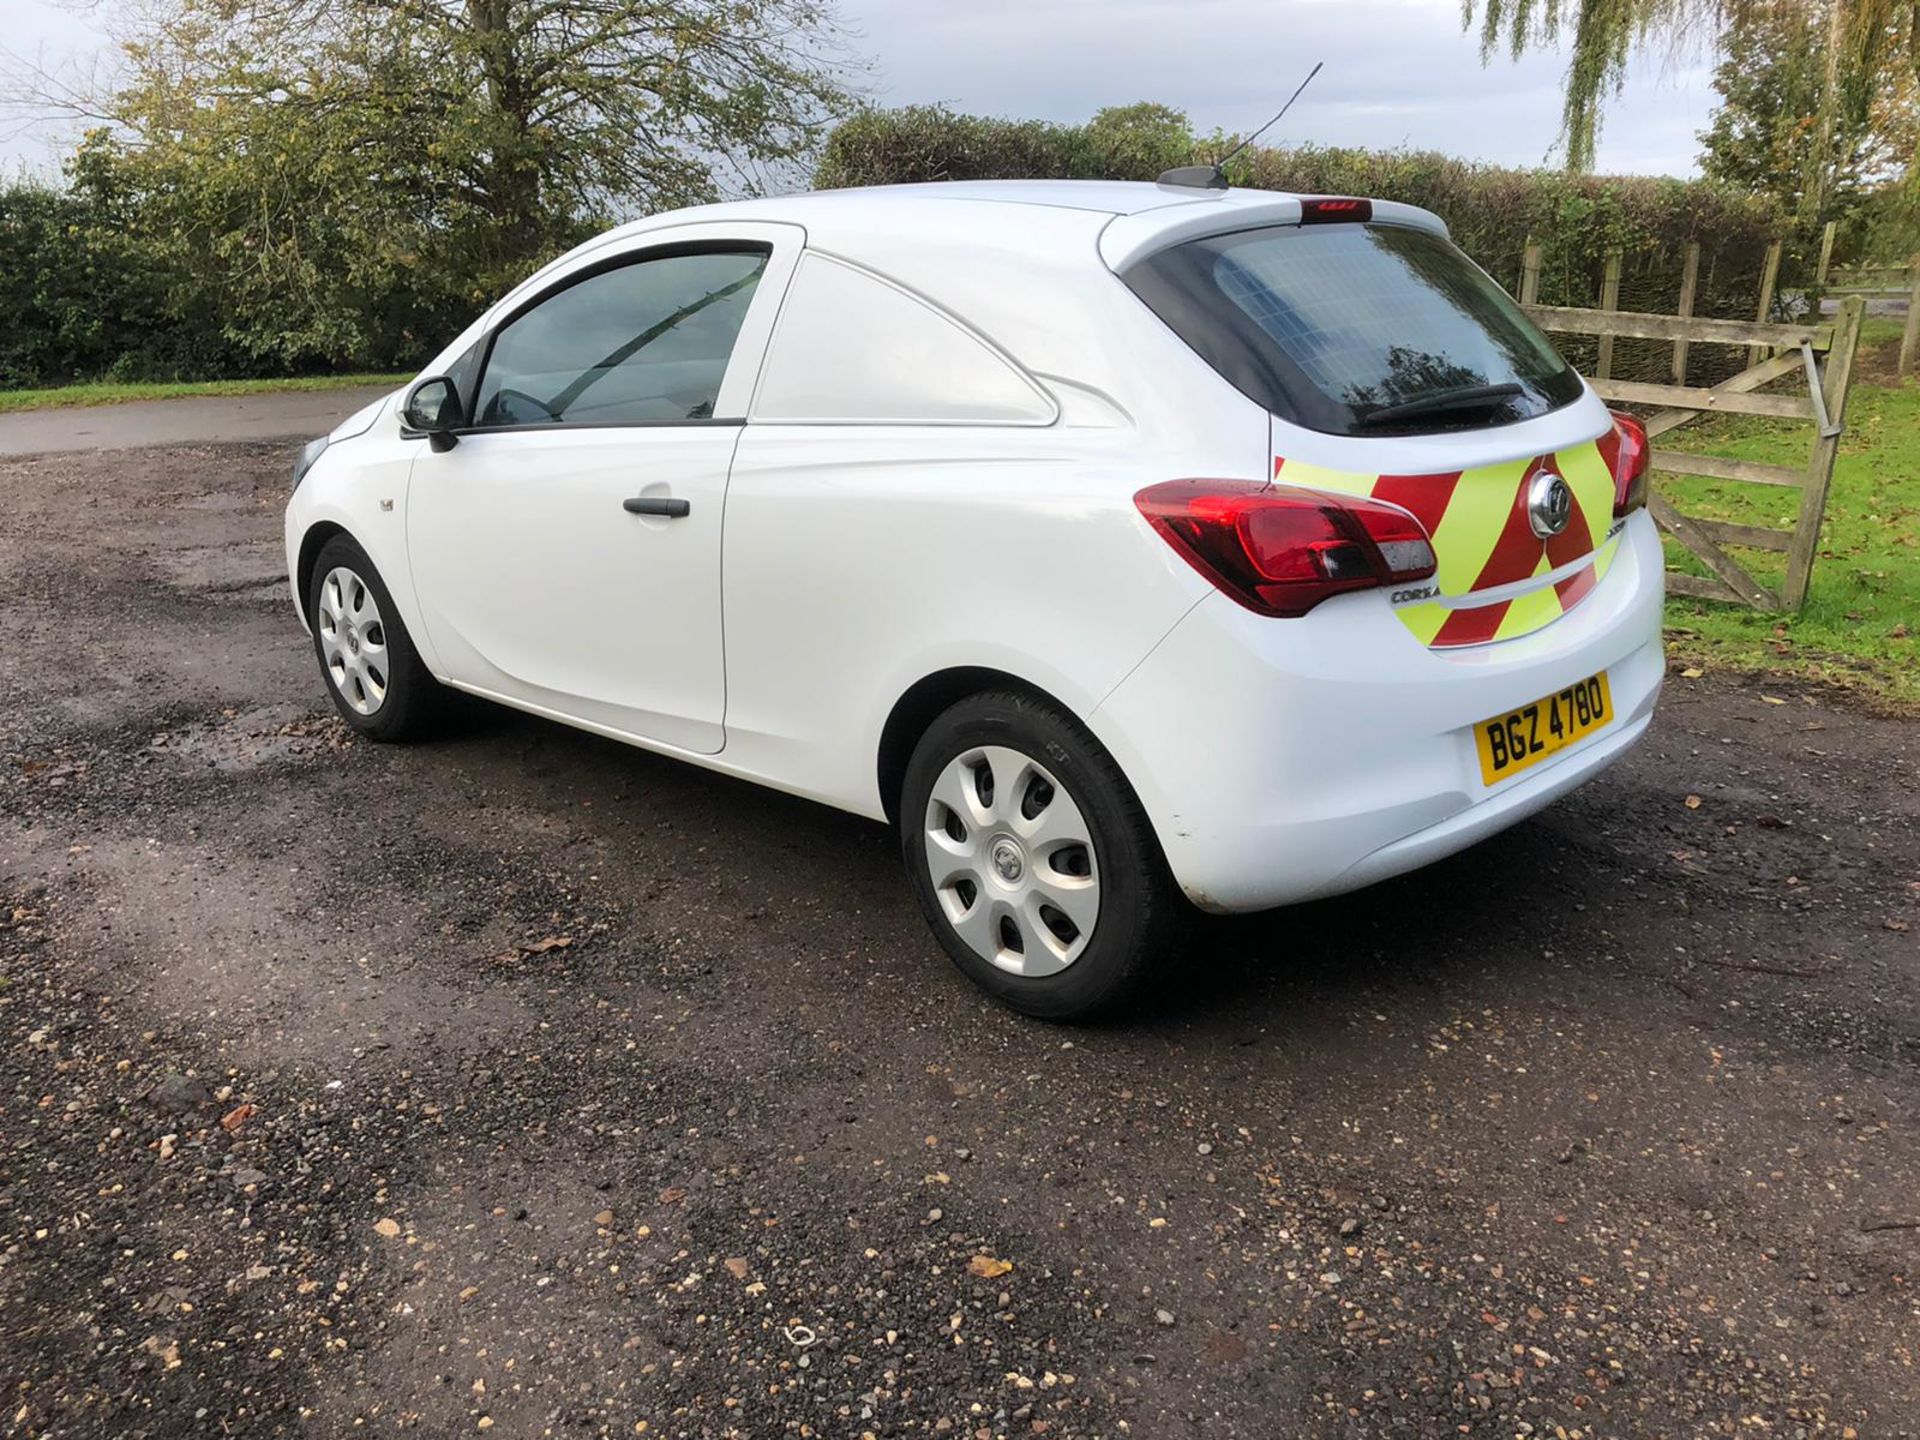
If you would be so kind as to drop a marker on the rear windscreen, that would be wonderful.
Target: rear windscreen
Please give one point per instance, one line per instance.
(1356, 329)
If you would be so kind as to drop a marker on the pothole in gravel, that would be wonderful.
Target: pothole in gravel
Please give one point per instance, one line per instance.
(224, 569)
(250, 739)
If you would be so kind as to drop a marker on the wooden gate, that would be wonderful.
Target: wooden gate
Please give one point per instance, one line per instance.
(1819, 352)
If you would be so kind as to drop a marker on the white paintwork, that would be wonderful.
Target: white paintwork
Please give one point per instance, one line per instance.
(831, 561)
(535, 585)
(1338, 752)
(1188, 214)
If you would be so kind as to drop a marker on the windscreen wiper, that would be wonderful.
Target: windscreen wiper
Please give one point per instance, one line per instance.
(1470, 397)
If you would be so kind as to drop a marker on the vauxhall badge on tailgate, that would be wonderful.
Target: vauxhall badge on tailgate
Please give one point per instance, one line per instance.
(1549, 504)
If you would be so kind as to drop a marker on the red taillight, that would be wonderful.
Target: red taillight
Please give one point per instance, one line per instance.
(1280, 550)
(1627, 452)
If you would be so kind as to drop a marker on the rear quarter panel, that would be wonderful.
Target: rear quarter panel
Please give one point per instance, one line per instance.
(862, 558)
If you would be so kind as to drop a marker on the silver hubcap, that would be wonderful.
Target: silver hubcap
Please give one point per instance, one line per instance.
(1012, 861)
(353, 640)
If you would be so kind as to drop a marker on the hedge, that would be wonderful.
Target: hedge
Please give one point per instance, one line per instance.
(1492, 211)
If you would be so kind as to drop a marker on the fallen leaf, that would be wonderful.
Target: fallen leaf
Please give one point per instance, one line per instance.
(1898, 926)
(1773, 700)
(1692, 672)
(672, 1195)
(238, 1116)
(986, 1267)
(533, 947)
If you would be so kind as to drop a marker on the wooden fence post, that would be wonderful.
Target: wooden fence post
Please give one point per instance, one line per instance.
(1530, 273)
(1910, 337)
(1826, 254)
(1689, 283)
(1826, 448)
(1769, 277)
(1609, 300)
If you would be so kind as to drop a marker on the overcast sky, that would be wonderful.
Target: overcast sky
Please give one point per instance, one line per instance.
(1399, 72)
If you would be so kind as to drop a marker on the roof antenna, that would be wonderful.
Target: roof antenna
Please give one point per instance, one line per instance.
(1214, 176)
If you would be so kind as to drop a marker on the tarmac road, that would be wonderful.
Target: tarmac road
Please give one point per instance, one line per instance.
(522, 1083)
(192, 420)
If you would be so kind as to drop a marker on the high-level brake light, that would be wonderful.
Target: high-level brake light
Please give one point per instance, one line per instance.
(1326, 210)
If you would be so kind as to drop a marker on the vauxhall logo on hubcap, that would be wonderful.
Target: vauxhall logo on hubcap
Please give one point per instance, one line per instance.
(1549, 504)
(1007, 862)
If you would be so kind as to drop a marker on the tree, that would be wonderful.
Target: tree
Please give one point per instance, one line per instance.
(1138, 141)
(342, 181)
(1766, 137)
(1863, 36)
(78, 292)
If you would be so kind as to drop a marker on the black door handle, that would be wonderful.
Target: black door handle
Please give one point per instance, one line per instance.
(668, 505)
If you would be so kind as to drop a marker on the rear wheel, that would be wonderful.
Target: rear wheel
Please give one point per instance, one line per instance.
(377, 680)
(1032, 859)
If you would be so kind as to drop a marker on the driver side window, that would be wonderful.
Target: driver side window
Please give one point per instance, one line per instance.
(641, 343)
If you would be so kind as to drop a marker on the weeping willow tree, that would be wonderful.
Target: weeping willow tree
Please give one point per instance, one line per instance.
(1862, 37)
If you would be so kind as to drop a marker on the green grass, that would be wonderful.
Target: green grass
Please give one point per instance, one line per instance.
(110, 394)
(1861, 624)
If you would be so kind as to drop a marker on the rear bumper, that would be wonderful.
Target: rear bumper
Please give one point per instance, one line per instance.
(1284, 760)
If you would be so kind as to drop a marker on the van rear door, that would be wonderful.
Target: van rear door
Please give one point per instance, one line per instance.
(1395, 367)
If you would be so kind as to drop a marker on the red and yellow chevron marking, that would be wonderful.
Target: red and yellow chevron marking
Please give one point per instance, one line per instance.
(1483, 541)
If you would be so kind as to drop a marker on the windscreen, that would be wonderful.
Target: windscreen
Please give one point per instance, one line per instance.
(1356, 329)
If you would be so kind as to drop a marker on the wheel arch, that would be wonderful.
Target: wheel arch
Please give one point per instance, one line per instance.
(316, 536)
(923, 703)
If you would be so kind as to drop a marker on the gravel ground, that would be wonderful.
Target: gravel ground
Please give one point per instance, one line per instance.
(528, 1084)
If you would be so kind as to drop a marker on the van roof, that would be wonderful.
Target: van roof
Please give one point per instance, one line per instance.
(1107, 197)
(1131, 217)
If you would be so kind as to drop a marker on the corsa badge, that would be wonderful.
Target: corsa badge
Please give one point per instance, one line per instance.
(1549, 504)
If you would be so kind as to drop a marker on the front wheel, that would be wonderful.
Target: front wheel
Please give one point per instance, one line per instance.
(1032, 858)
(379, 683)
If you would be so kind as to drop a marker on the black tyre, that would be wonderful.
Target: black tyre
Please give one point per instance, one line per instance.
(377, 680)
(1033, 860)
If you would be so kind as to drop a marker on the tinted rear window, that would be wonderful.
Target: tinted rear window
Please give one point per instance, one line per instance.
(1331, 325)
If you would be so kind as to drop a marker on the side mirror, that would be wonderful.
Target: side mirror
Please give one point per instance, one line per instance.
(433, 408)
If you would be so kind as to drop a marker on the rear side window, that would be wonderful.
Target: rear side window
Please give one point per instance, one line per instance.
(1356, 329)
(854, 349)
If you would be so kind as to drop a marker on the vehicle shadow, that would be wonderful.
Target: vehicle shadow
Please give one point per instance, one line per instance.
(1472, 918)
(1432, 924)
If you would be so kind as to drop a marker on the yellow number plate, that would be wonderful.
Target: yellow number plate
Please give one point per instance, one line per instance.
(1510, 743)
